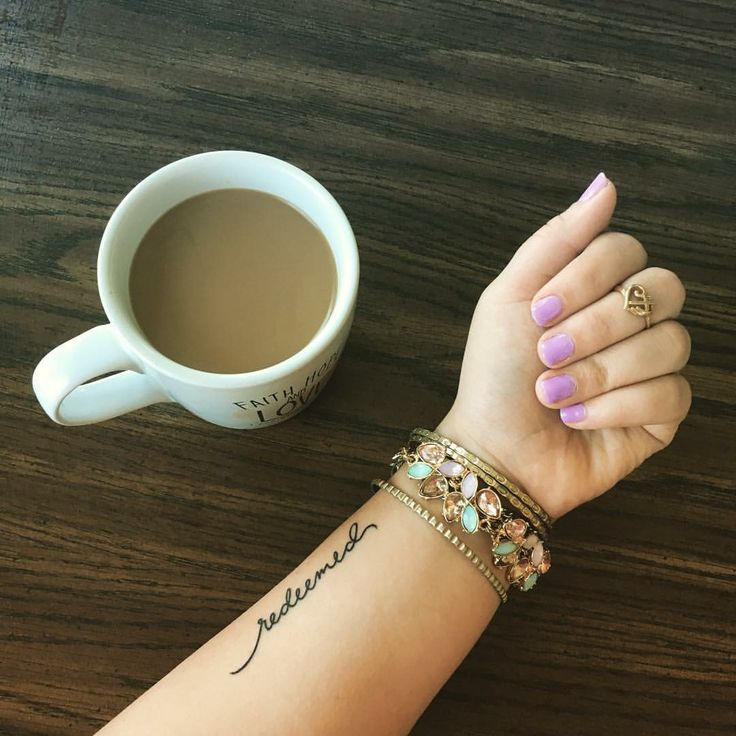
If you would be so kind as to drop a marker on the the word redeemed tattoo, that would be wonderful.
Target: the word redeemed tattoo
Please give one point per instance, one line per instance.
(354, 536)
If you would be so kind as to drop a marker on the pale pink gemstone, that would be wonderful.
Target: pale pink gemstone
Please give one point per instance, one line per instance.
(530, 541)
(453, 506)
(515, 529)
(537, 553)
(431, 452)
(451, 469)
(489, 503)
(546, 562)
(469, 485)
(434, 486)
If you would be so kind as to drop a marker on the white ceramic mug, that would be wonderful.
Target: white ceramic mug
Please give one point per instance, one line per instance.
(143, 375)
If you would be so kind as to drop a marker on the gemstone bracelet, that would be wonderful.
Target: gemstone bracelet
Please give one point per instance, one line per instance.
(515, 495)
(445, 473)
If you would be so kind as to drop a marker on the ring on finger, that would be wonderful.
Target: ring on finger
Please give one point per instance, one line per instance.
(637, 301)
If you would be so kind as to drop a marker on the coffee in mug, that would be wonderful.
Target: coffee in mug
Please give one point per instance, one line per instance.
(232, 280)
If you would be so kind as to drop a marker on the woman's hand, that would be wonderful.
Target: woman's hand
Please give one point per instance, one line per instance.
(561, 388)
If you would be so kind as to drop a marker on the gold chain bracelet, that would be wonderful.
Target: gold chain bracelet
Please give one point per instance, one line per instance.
(446, 532)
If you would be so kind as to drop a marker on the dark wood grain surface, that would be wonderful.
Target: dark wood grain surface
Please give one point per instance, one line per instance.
(447, 130)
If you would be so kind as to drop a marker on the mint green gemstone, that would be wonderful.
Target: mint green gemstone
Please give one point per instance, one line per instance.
(419, 470)
(470, 519)
(505, 548)
(530, 582)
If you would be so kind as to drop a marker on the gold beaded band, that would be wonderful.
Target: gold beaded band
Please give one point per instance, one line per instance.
(449, 476)
(418, 434)
(445, 531)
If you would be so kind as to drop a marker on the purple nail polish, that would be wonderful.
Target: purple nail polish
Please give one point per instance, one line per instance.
(558, 388)
(555, 349)
(600, 182)
(573, 414)
(546, 309)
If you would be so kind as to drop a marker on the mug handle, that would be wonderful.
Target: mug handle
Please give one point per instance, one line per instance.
(58, 379)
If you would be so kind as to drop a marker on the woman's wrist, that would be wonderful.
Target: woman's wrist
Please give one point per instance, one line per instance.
(479, 543)
(461, 433)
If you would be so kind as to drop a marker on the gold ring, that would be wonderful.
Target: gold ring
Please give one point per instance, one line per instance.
(637, 301)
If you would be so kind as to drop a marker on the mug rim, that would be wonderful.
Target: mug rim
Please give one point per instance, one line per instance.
(136, 342)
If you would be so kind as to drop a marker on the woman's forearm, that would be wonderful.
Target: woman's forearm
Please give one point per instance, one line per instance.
(359, 638)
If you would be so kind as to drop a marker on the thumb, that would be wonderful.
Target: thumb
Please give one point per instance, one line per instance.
(559, 241)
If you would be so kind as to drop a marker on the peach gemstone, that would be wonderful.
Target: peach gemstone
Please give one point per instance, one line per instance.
(518, 571)
(546, 562)
(530, 541)
(537, 553)
(434, 486)
(431, 452)
(453, 506)
(515, 529)
(489, 503)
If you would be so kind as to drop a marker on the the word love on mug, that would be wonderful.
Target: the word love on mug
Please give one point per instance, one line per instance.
(279, 404)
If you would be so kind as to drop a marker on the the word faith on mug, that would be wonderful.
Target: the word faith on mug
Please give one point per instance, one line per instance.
(283, 402)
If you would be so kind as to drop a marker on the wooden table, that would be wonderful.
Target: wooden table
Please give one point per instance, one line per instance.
(447, 130)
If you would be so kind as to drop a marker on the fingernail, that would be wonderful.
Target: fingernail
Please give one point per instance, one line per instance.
(555, 349)
(558, 387)
(600, 182)
(573, 414)
(546, 309)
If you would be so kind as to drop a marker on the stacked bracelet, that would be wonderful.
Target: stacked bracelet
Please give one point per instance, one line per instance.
(526, 505)
(447, 472)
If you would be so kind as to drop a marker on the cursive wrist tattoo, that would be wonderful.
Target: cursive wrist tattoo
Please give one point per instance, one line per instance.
(292, 598)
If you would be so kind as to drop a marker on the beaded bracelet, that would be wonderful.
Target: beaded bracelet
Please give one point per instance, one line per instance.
(446, 532)
(517, 545)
